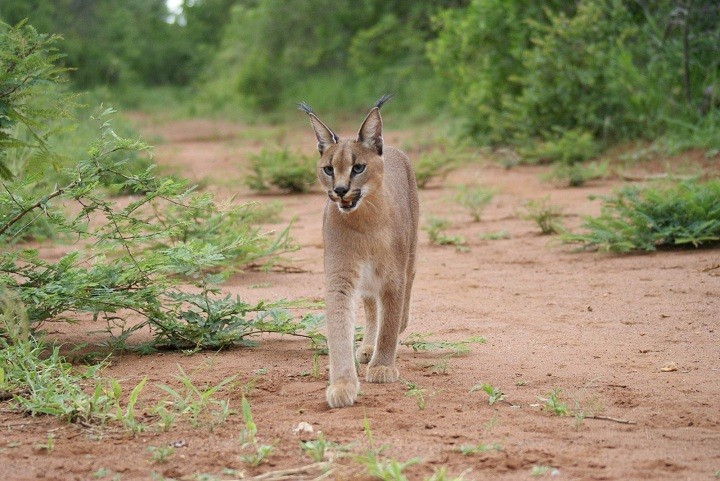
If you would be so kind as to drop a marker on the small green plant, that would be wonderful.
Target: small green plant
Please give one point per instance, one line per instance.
(376, 465)
(441, 365)
(315, 448)
(415, 392)
(316, 371)
(282, 169)
(501, 234)
(167, 417)
(553, 403)
(474, 199)
(585, 408)
(320, 449)
(205, 477)
(247, 435)
(104, 472)
(545, 215)
(575, 175)
(681, 214)
(48, 445)
(258, 454)
(160, 454)
(127, 417)
(419, 342)
(494, 393)
(436, 228)
(248, 439)
(470, 449)
(540, 470)
(198, 403)
(385, 469)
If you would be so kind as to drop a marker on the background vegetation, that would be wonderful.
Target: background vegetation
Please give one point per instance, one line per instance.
(509, 72)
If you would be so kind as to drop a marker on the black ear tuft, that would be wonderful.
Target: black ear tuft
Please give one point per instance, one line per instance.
(304, 107)
(325, 136)
(381, 101)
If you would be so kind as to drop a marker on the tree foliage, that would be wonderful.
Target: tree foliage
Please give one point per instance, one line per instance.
(616, 69)
(269, 47)
(121, 42)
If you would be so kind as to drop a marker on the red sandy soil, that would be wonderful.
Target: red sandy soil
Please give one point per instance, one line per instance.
(600, 327)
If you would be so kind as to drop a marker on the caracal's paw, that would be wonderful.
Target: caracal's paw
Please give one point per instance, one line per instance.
(364, 353)
(342, 393)
(382, 374)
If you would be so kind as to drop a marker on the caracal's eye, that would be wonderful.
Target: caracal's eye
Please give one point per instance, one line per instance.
(358, 168)
(328, 170)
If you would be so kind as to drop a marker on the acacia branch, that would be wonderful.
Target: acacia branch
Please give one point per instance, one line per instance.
(36, 205)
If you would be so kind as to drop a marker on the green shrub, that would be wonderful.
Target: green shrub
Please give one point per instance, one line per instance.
(282, 169)
(474, 199)
(575, 175)
(683, 214)
(545, 215)
(130, 258)
(436, 228)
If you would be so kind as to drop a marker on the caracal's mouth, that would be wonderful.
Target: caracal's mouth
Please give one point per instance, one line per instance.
(348, 205)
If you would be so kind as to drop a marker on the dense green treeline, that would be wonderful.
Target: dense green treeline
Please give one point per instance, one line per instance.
(506, 71)
(123, 42)
(616, 69)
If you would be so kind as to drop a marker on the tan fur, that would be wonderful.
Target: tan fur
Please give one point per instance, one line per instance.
(369, 251)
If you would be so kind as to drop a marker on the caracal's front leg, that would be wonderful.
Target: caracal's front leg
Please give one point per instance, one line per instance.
(344, 385)
(382, 366)
(366, 349)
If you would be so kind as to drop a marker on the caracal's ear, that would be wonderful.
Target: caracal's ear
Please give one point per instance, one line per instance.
(325, 136)
(370, 134)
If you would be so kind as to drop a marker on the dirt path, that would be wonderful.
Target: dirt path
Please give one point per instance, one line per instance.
(598, 327)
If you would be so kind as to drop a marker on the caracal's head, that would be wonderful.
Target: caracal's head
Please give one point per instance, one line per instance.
(350, 171)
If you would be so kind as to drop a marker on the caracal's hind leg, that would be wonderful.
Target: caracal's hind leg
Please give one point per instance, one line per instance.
(408, 288)
(366, 349)
(406, 303)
